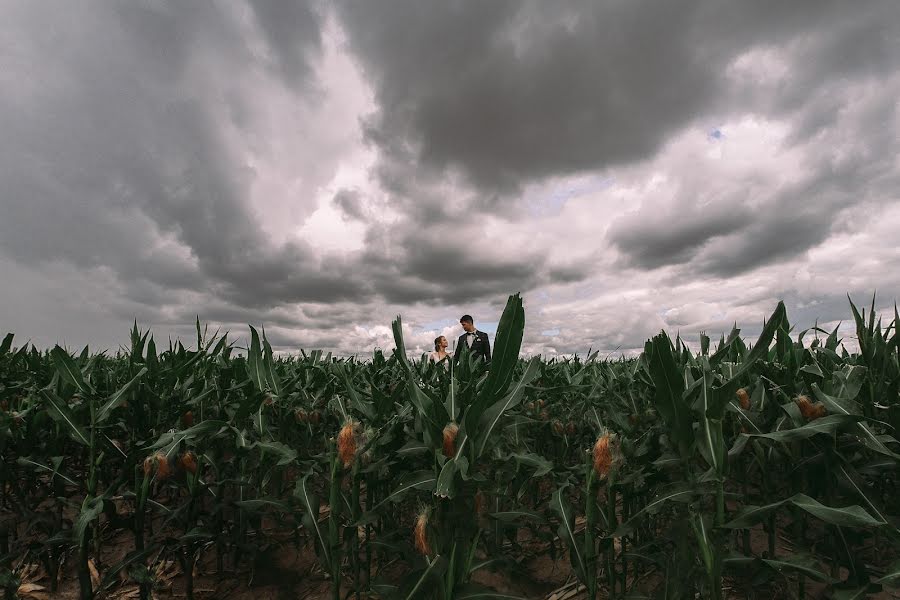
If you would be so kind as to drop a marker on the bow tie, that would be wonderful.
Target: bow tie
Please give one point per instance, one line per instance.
(470, 333)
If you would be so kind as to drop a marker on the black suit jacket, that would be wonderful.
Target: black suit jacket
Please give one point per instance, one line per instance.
(481, 346)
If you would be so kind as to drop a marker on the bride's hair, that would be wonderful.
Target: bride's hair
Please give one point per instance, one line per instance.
(437, 342)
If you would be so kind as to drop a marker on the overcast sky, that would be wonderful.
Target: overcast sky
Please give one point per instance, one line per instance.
(319, 168)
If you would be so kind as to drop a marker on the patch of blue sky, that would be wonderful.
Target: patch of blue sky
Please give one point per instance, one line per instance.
(549, 200)
(485, 326)
(550, 332)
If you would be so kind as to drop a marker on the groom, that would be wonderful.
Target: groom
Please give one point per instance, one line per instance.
(476, 341)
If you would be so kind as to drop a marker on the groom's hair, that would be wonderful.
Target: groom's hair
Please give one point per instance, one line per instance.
(466, 319)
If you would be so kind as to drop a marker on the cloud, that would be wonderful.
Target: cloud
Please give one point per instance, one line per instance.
(321, 168)
(350, 203)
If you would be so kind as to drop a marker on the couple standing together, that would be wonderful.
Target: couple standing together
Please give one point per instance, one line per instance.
(476, 341)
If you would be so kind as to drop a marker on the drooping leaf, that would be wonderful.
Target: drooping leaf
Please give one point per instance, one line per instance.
(91, 508)
(560, 505)
(417, 480)
(68, 370)
(60, 412)
(310, 502)
(848, 516)
(118, 397)
(492, 415)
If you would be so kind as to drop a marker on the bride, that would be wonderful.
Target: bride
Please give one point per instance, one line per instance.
(440, 350)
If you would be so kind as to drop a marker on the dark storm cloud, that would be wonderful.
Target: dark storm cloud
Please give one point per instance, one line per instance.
(669, 239)
(112, 154)
(293, 30)
(497, 95)
(452, 263)
(509, 92)
(350, 203)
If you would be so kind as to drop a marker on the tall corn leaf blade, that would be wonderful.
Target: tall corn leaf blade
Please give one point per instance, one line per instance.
(152, 358)
(400, 350)
(713, 443)
(507, 345)
(363, 407)
(310, 519)
(91, 508)
(492, 415)
(273, 381)
(668, 397)
(256, 368)
(68, 370)
(701, 529)
(60, 412)
(566, 532)
(724, 393)
(863, 431)
(118, 397)
(7, 344)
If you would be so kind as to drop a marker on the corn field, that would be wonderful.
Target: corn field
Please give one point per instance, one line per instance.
(759, 470)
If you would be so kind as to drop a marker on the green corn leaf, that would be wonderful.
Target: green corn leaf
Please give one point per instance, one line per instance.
(445, 486)
(363, 407)
(310, 502)
(7, 343)
(799, 563)
(419, 582)
(91, 508)
(471, 591)
(516, 515)
(117, 398)
(68, 370)
(492, 415)
(891, 576)
(286, 454)
(171, 439)
(848, 516)
(749, 516)
(669, 384)
(680, 492)
(566, 532)
(255, 364)
(724, 393)
(541, 465)
(54, 471)
(60, 412)
(852, 594)
(417, 480)
(273, 381)
(828, 424)
(865, 434)
(260, 505)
